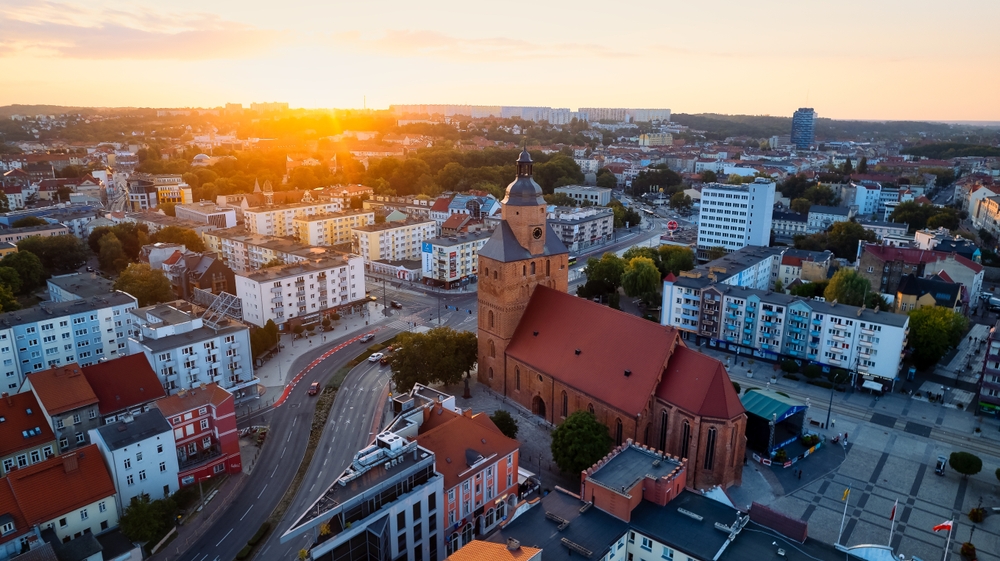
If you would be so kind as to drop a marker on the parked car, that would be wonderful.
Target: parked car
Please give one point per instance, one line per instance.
(941, 463)
(90, 269)
(314, 388)
(367, 337)
(395, 304)
(384, 360)
(375, 357)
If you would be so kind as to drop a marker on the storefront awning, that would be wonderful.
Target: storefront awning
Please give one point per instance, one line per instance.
(871, 385)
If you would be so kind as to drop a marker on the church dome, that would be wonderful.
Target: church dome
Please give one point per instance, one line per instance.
(523, 191)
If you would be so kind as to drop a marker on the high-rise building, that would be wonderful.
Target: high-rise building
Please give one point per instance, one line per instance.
(803, 128)
(735, 216)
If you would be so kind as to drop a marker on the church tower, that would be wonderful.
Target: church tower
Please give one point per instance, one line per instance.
(522, 253)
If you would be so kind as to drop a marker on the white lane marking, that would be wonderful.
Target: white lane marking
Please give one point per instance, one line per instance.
(262, 491)
(293, 422)
(204, 557)
(325, 461)
(275, 470)
(289, 436)
(283, 451)
(311, 488)
(224, 537)
(246, 513)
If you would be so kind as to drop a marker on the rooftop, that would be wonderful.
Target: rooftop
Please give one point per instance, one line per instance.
(914, 256)
(631, 465)
(583, 188)
(188, 400)
(122, 434)
(477, 550)
(462, 442)
(393, 225)
(62, 389)
(23, 425)
(83, 285)
(330, 215)
(835, 210)
(205, 207)
(699, 384)
(464, 237)
(296, 269)
(122, 383)
(504, 247)
(60, 484)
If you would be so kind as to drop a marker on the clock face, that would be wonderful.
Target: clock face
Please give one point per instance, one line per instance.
(536, 233)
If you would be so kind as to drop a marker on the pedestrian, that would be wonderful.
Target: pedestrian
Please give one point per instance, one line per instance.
(800, 474)
(845, 438)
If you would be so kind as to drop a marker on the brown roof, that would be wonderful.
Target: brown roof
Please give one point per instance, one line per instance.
(124, 382)
(8, 505)
(62, 389)
(458, 442)
(186, 400)
(700, 385)
(613, 356)
(487, 551)
(441, 204)
(455, 221)
(16, 422)
(61, 484)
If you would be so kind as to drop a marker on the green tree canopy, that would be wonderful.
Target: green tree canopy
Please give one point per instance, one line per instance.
(933, 330)
(439, 355)
(132, 237)
(847, 287)
(624, 216)
(809, 289)
(147, 285)
(608, 269)
(919, 216)
(675, 259)
(579, 442)
(708, 176)
(144, 521)
(965, 463)
(680, 201)
(641, 277)
(111, 256)
(821, 195)
(175, 234)
(607, 179)
(57, 253)
(559, 199)
(505, 422)
(10, 279)
(28, 221)
(800, 205)
(29, 268)
(8, 302)
(716, 252)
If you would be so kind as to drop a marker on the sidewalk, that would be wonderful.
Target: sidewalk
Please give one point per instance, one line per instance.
(415, 287)
(197, 524)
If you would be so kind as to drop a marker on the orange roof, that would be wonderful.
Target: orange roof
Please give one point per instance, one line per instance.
(617, 359)
(8, 505)
(62, 389)
(700, 385)
(61, 484)
(124, 382)
(441, 204)
(174, 257)
(186, 400)
(459, 442)
(17, 423)
(790, 260)
(487, 551)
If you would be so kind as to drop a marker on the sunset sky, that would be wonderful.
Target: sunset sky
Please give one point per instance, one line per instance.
(864, 59)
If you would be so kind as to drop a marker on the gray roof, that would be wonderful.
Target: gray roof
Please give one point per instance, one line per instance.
(295, 269)
(883, 317)
(822, 209)
(84, 285)
(788, 216)
(51, 310)
(504, 247)
(122, 434)
(464, 237)
(523, 191)
(76, 549)
(631, 465)
(185, 339)
(818, 256)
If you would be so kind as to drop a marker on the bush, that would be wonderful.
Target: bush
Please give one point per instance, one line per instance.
(261, 532)
(737, 388)
(792, 377)
(781, 456)
(965, 463)
(244, 553)
(810, 440)
(812, 371)
(505, 422)
(335, 316)
(838, 376)
(977, 514)
(821, 384)
(789, 366)
(968, 550)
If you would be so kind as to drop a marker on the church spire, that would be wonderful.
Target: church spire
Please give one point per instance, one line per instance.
(524, 163)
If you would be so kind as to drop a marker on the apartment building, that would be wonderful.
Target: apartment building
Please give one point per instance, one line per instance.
(804, 265)
(125, 387)
(884, 230)
(388, 504)
(78, 286)
(302, 291)
(597, 196)
(187, 351)
(989, 377)
(884, 266)
(56, 333)
(330, 229)
(207, 212)
(207, 442)
(452, 261)
(14, 235)
(278, 220)
(789, 224)
(822, 217)
(735, 216)
(392, 241)
(773, 326)
(141, 456)
(67, 403)
(749, 267)
(155, 221)
(25, 435)
(243, 251)
(582, 228)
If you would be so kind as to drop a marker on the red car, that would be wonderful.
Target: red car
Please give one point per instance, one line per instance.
(314, 388)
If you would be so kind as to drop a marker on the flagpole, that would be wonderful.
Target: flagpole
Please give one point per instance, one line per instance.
(847, 499)
(947, 543)
(892, 523)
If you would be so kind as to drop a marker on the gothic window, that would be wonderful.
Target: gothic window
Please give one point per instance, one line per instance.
(517, 378)
(532, 267)
(685, 438)
(565, 405)
(710, 449)
(490, 319)
(548, 267)
(494, 274)
(491, 373)
(524, 270)
(590, 407)
(618, 432)
(486, 270)
(663, 430)
(493, 349)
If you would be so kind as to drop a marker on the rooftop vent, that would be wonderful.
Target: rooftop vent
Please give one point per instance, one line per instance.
(28, 411)
(577, 352)
(535, 333)
(628, 373)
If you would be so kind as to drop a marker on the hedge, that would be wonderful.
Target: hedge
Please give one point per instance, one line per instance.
(261, 532)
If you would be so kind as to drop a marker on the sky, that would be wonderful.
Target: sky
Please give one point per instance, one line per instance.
(849, 59)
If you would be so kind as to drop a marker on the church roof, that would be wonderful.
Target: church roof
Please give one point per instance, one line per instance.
(613, 356)
(523, 191)
(700, 385)
(504, 247)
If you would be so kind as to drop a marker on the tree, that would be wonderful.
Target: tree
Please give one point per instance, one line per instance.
(675, 259)
(175, 234)
(148, 286)
(716, 252)
(680, 201)
(10, 279)
(579, 442)
(624, 217)
(800, 205)
(708, 176)
(559, 199)
(439, 355)
(57, 253)
(168, 208)
(809, 289)
(29, 268)
(505, 422)
(608, 269)
(641, 277)
(779, 286)
(4, 202)
(607, 180)
(847, 287)
(848, 168)
(143, 521)
(820, 195)
(965, 463)
(132, 237)
(933, 330)
(843, 238)
(111, 256)
(28, 221)
(863, 166)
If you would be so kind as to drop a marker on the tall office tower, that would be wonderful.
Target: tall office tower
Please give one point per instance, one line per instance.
(803, 127)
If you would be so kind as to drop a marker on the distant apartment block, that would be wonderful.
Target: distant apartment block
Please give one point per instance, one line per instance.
(803, 128)
(207, 213)
(822, 217)
(582, 228)
(884, 267)
(243, 251)
(78, 286)
(598, 196)
(14, 235)
(392, 241)
(735, 216)
(789, 224)
(453, 261)
(656, 139)
(330, 229)
(278, 220)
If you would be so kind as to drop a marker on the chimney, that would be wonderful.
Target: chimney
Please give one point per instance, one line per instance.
(513, 545)
(10, 402)
(70, 463)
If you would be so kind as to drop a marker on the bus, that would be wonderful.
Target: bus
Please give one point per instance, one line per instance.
(572, 261)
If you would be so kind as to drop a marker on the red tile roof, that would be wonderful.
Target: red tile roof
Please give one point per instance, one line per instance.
(124, 382)
(441, 204)
(61, 484)
(174, 257)
(455, 221)
(613, 342)
(211, 394)
(459, 437)
(14, 411)
(700, 385)
(8, 505)
(488, 551)
(62, 389)
(917, 256)
(791, 260)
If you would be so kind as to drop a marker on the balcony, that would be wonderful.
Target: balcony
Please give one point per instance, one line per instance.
(768, 323)
(731, 339)
(276, 289)
(793, 329)
(276, 300)
(186, 462)
(690, 307)
(815, 333)
(768, 312)
(814, 344)
(234, 345)
(732, 306)
(817, 321)
(748, 330)
(194, 371)
(868, 331)
(731, 327)
(838, 337)
(731, 316)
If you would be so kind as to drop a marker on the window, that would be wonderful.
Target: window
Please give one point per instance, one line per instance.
(493, 349)
(517, 378)
(667, 553)
(219, 468)
(646, 544)
(451, 495)
(101, 506)
(710, 449)
(130, 480)
(83, 514)
(7, 528)
(142, 475)
(204, 424)
(8, 464)
(206, 442)
(163, 466)
(663, 430)
(685, 438)
(128, 463)
(618, 432)
(159, 448)
(62, 522)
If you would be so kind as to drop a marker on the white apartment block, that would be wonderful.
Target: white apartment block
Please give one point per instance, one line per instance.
(51, 334)
(247, 252)
(141, 455)
(185, 351)
(207, 213)
(392, 241)
(330, 229)
(278, 220)
(735, 216)
(301, 291)
(598, 196)
(451, 260)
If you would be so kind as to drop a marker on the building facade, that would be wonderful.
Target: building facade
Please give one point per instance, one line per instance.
(392, 241)
(597, 196)
(580, 229)
(278, 220)
(822, 217)
(735, 216)
(14, 235)
(884, 266)
(803, 128)
(25, 435)
(330, 229)
(453, 261)
(244, 252)
(207, 212)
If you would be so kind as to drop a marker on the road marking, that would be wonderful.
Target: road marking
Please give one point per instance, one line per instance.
(204, 557)
(262, 491)
(246, 513)
(283, 451)
(293, 423)
(224, 537)
(289, 435)
(325, 461)
(275, 470)
(311, 488)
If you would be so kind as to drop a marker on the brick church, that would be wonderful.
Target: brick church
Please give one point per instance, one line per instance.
(555, 353)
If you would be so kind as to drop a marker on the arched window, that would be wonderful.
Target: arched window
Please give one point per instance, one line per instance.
(486, 271)
(494, 274)
(618, 432)
(548, 267)
(710, 449)
(490, 318)
(685, 438)
(493, 349)
(663, 430)
(491, 373)
(517, 378)
(532, 267)
(590, 408)
(565, 405)
(524, 270)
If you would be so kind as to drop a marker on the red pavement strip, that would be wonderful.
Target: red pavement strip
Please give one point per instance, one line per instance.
(313, 364)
